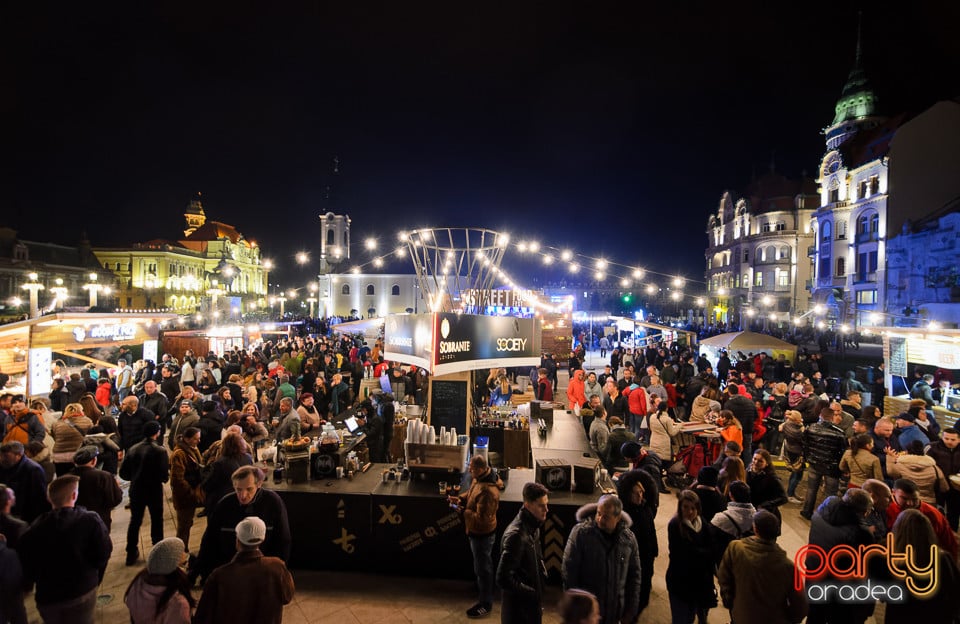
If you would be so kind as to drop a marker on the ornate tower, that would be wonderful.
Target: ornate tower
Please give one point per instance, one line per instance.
(194, 215)
(856, 109)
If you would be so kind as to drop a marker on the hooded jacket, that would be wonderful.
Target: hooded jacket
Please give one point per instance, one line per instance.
(922, 470)
(605, 564)
(575, 390)
(756, 584)
(480, 505)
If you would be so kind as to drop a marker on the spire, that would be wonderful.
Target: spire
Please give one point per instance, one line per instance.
(194, 216)
(857, 103)
(856, 63)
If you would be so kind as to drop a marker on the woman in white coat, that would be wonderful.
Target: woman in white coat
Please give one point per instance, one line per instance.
(663, 429)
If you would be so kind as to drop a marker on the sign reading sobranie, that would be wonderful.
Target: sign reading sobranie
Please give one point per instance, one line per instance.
(409, 338)
(468, 341)
(446, 343)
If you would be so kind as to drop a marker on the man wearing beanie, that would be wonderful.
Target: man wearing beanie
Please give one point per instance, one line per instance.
(148, 598)
(251, 588)
(147, 468)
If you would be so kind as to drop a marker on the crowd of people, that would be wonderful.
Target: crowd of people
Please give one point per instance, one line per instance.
(194, 426)
(865, 474)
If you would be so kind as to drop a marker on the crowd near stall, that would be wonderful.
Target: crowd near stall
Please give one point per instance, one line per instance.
(385, 449)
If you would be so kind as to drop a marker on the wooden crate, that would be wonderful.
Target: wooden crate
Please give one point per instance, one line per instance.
(555, 474)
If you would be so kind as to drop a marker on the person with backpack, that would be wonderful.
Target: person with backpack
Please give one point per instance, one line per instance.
(23, 425)
(734, 522)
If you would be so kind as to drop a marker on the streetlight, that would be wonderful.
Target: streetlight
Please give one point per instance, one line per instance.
(34, 287)
(302, 257)
(92, 288)
(214, 291)
(312, 299)
(59, 294)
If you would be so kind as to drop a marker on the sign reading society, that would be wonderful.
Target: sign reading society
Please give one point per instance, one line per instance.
(446, 343)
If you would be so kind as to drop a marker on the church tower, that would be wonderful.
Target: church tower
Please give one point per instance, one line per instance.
(334, 241)
(194, 215)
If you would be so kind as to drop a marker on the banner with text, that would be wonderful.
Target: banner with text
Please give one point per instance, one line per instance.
(467, 342)
(408, 338)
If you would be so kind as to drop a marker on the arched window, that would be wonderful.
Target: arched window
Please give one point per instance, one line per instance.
(825, 232)
(345, 289)
(784, 253)
(118, 266)
(875, 223)
(862, 224)
(841, 266)
(106, 265)
(371, 290)
(330, 238)
(841, 229)
(395, 290)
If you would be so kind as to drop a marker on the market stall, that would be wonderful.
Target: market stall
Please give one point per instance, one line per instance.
(746, 342)
(29, 348)
(935, 351)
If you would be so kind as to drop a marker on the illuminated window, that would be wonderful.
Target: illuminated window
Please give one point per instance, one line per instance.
(784, 279)
(825, 231)
(866, 296)
(759, 279)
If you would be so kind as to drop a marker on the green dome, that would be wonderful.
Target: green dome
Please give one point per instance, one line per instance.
(857, 100)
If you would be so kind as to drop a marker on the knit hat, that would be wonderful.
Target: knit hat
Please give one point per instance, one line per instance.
(165, 556)
(708, 476)
(907, 416)
(151, 429)
(251, 531)
(186, 402)
(85, 455)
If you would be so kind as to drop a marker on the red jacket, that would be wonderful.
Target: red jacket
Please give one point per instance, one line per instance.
(945, 535)
(636, 400)
(575, 390)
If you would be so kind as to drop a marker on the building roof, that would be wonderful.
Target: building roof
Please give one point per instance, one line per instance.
(775, 192)
(871, 144)
(215, 230)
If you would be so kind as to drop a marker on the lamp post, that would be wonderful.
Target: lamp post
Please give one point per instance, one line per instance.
(34, 287)
(312, 299)
(214, 291)
(92, 288)
(282, 298)
(59, 294)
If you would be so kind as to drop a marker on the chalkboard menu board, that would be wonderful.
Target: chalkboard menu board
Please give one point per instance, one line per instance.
(448, 405)
(898, 356)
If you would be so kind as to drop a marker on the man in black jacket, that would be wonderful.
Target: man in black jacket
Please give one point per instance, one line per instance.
(98, 489)
(248, 499)
(946, 452)
(520, 571)
(746, 412)
(147, 468)
(823, 447)
(131, 421)
(65, 552)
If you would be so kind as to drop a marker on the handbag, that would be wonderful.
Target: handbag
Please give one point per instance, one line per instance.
(795, 465)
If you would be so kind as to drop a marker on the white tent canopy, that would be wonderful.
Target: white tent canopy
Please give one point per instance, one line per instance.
(747, 342)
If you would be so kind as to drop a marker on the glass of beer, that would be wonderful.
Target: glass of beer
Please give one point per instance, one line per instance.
(443, 488)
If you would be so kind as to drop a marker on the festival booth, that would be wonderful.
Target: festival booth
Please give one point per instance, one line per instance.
(746, 342)
(906, 349)
(396, 518)
(29, 348)
(219, 339)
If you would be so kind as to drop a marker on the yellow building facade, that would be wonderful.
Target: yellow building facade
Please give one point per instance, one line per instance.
(212, 269)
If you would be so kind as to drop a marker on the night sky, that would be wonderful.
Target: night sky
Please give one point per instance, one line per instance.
(614, 131)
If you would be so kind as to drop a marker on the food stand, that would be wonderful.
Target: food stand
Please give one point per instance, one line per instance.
(28, 348)
(935, 351)
(219, 339)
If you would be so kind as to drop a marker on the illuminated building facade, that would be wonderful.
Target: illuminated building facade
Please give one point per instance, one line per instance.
(756, 264)
(213, 268)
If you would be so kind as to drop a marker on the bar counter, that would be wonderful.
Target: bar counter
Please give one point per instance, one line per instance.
(407, 527)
